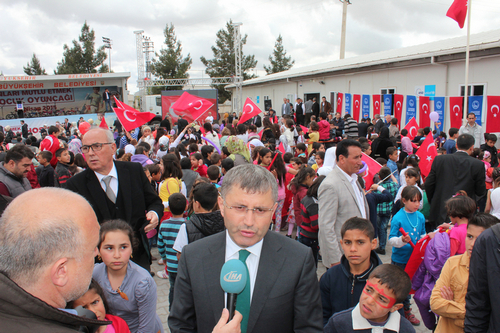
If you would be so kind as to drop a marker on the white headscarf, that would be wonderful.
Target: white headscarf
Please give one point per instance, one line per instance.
(329, 162)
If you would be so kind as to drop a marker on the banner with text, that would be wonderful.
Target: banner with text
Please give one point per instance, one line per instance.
(476, 106)
(439, 108)
(348, 103)
(411, 107)
(366, 106)
(387, 104)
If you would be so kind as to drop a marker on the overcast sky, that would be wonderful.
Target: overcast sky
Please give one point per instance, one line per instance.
(310, 29)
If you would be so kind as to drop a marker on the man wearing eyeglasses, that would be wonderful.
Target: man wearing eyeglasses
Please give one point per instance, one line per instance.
(282, 293)
(117, 190)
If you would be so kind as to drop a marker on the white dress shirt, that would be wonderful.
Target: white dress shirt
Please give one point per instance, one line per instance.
(113, 182)
(232, 252)
(353, 179)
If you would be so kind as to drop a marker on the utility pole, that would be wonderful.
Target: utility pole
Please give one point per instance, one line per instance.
(344, 19)
(239, 76)
(107, 44)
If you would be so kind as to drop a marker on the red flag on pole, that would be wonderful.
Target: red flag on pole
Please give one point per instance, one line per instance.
(456, 111)
(356, 102)
(376, 104)
(398, 107)
(427, 152)
(103, 124)
(458, 12)
(372, 168)
(281, 148)
(492, 114)
(191, 107)
(425, 111)
(412, 128)
(304, 129)
(250, 110)
(340, 96)
(130, 117)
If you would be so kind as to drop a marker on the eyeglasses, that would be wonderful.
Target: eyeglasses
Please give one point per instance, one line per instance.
(95, 147)
(258, 211)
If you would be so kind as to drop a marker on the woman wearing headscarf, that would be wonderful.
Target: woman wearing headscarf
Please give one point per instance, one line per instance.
(380, 144)
(238, 150)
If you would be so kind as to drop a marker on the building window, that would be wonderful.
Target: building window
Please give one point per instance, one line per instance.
(477, 90)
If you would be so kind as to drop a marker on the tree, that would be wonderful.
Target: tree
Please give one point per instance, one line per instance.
(34, 68)
(222, 65)
(82, 57)
(279, 61)
(170, 63)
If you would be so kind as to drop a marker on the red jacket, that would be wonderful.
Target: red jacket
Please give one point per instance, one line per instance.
(50, 143)
(324, 130)
(298, 194)
(119, 324)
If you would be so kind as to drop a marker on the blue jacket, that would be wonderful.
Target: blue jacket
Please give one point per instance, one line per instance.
(340, 290)
(373, 199)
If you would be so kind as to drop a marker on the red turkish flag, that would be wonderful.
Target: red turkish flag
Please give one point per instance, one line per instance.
(103, 124)
(372, 168)
(427, 152)
(250, 110)
(304, 129)
(356, 101)
(376, 104)
(492, 114)
(130, 117)
(458, 12)
(398, 107)
(412, 128)
(340, 97)
(281, 148)
(425, 111)
(456, 111)
(191, 107)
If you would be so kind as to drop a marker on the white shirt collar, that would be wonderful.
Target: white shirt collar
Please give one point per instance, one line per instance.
(232, 248)
(360, 323)
(112, 173)
(351, 178)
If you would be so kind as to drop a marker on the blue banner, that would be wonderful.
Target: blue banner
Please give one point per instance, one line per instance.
(411, 108)
(366, 106)
(387, 104)
(439, 108)
(348, 99)
(476, 106)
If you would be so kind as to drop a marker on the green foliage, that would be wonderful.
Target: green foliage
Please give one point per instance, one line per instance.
(34, 68)
(279, 61)
(170, 63)
(83, 57)
(223, 63)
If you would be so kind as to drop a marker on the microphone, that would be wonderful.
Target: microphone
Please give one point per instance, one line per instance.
(233, 278)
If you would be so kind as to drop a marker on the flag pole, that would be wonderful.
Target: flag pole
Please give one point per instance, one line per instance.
(466, 105)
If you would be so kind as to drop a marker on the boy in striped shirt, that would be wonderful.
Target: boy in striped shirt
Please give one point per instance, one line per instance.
(166, 237)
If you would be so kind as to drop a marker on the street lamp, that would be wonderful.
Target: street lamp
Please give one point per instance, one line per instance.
(107, 44)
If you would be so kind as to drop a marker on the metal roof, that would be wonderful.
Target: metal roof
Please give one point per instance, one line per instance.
(480, 41)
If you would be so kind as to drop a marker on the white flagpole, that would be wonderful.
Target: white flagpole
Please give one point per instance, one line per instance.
(466, 105)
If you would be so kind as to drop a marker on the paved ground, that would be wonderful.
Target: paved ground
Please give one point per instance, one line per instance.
(163, 288)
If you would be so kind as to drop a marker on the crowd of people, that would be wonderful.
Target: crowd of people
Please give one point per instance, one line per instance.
(283, 195)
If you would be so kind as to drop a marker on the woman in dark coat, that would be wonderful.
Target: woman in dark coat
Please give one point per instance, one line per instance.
(380, 144)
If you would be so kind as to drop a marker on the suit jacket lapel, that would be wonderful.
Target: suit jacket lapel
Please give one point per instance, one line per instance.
(212, 263)
(125, 189)
(347, 183)
(97, 194)
(270, 264)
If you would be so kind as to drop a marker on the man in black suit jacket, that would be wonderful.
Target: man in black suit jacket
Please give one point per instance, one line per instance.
(452, 173)
(283, 282)
(135, 200)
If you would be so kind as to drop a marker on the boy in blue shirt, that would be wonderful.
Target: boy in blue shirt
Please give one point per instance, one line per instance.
(166, 237)
(392, 154)
(450, 145)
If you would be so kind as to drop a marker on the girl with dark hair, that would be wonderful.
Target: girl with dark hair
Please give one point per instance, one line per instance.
(129, 288)
(171, 180)
(211, 135)
(298, 186)
(268, 132)
(95, 300)
(380, 144)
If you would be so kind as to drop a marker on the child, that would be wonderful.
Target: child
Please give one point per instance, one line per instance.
(450, 145)
(198, 165)
(460, 209)
(155, 173)
(411, 161)
(296, 164)
(300, 150)
(308, 233)
(324, 127)
(226, 165)
(377, 311)
(45, 171)
(412, 175)
(129, 288)
(319, 159)
(206, 153)
(299, 185)
(94, 300)
(147, 173)
(166, 238)
(384, 209)
(313, 135)
(413, 223)
(213, 174)
(366, 148)
(341, 285)
(448, 295)
(392, 154)
(441, 151)
(62, 173)
(489, 146)
(287, 157)
(215, 159)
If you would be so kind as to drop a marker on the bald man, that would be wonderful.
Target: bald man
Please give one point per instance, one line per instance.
(47, 252)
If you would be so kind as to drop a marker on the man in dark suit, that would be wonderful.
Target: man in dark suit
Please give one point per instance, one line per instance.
(315, 109)
(106, 97)
(24, 129)
(452, 173)
(282, 282)
(117, 190)
(363, 127)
